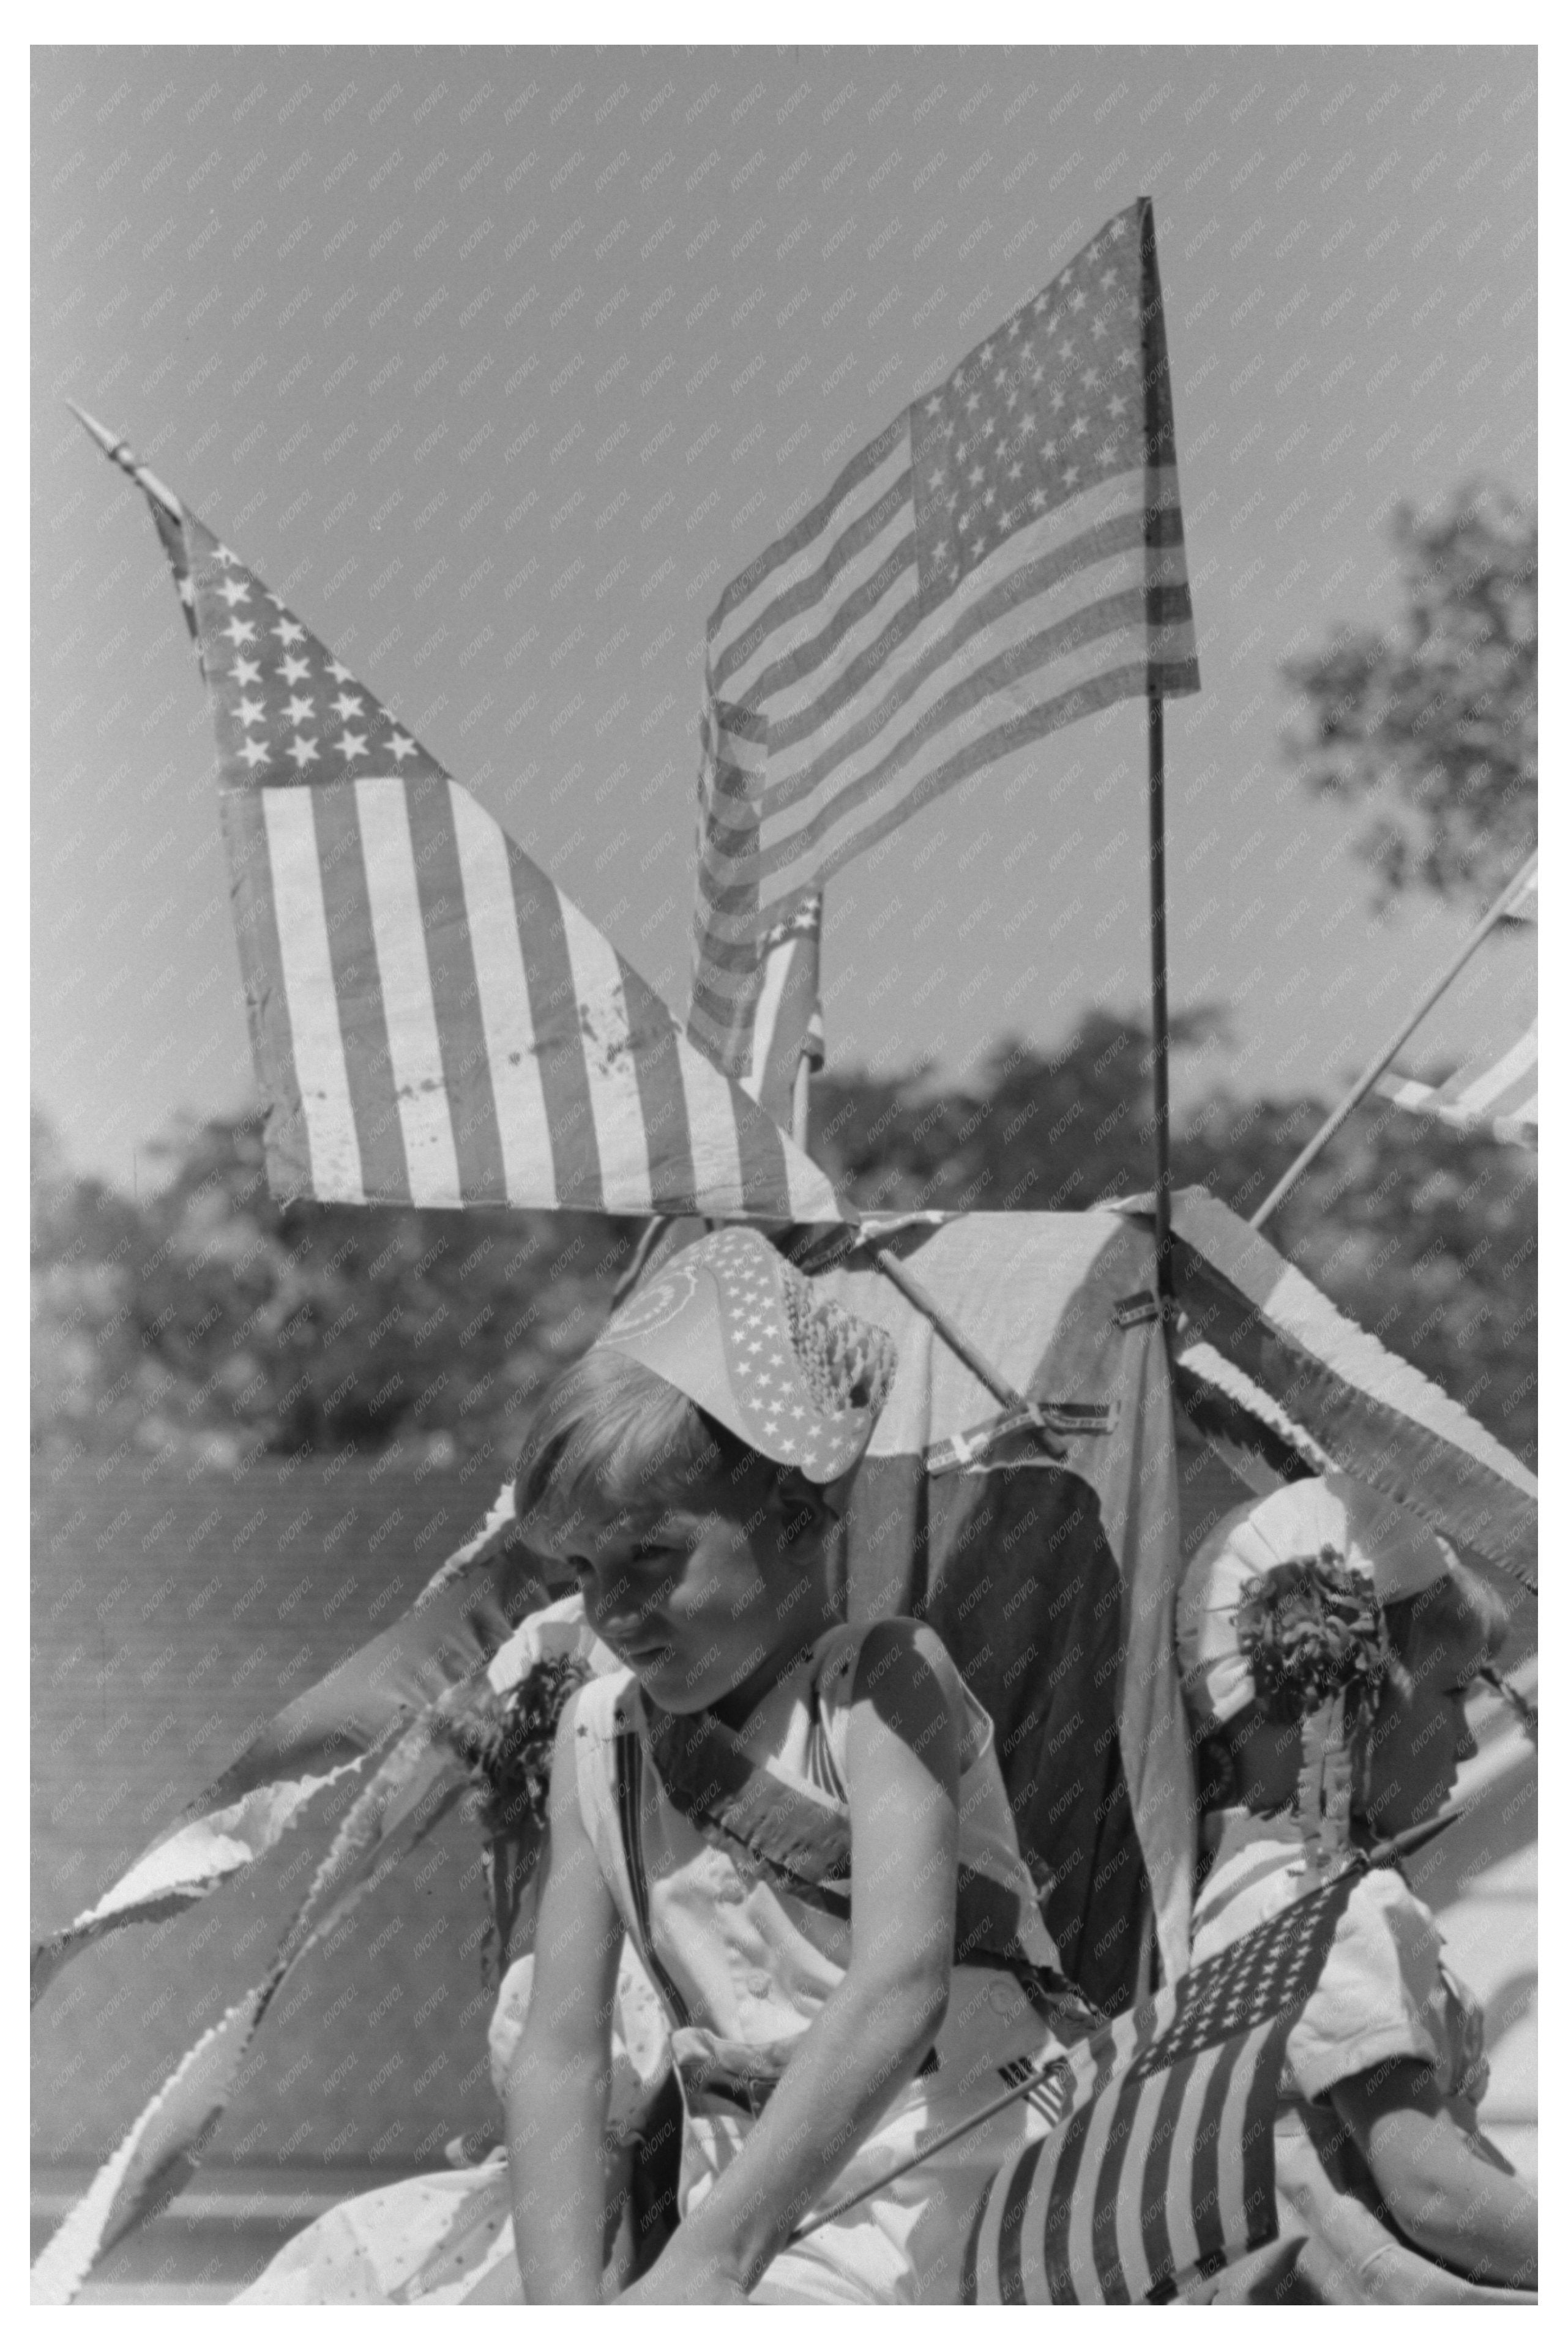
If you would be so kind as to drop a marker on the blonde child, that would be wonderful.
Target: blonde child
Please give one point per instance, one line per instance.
(1327, 1642)
(799, 1828)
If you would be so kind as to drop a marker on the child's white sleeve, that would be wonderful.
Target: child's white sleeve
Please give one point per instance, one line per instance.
(1385, 1993)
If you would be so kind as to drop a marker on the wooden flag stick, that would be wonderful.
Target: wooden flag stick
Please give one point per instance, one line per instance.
(1380, 1059)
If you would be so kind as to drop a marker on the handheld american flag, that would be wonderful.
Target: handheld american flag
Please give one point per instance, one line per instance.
(433, 1023)
(1165, 2166)
(1005, 558)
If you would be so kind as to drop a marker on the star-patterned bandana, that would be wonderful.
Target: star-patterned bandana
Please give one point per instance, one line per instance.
(792, 1373)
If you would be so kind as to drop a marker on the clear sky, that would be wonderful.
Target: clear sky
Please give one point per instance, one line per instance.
(499, 364)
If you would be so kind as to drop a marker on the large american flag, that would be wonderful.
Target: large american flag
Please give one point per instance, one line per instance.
(1165, 2168)
(1497, 1093)
(434, 1022)
(1005, 558)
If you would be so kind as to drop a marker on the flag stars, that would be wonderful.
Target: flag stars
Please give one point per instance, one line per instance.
(401, 746)
(301, 708)
(251, 714)
(287, 631)
(239, 632)
(341, 676)
(247, 672)
(233, 591)
(348, 705)
(304, 752)
(253, 754)
(291, 669)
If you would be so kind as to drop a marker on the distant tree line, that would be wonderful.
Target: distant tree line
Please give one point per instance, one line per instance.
(206, 1321)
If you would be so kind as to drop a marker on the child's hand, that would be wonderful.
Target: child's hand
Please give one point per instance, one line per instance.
(686, 2276)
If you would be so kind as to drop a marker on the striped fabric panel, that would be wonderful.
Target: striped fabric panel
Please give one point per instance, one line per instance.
(434, 1022)
(1005, 558)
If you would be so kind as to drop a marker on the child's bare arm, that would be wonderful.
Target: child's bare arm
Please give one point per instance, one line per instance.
(558, 2089)
(872, 2034)
(1446, 2196)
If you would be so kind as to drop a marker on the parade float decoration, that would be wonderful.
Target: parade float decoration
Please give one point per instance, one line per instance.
(434, 1023)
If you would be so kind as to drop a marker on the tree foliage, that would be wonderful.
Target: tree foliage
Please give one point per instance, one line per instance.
(207, 1322)
(1430, 726)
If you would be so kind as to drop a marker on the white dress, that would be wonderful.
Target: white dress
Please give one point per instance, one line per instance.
(741, 1969)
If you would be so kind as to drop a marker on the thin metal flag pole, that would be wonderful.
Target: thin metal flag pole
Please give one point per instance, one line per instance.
(1160, 1007)
(1380, 1059)
(121, 455)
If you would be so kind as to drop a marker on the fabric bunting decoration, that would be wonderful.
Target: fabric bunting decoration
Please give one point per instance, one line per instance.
(433, 1023)
(413, 1787)
(1364, 1408)
(460, 1621)
(1006, 558)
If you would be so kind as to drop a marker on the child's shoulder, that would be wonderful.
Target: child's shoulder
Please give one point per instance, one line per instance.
(851, 1661)
(853, 1656)
(1385, 1993)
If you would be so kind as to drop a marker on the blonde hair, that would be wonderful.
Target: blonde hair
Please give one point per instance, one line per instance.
(609, 1434)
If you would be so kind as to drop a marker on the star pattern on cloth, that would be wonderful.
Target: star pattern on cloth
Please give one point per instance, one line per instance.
(288, 711)
(1244, 1988)
(768, 1380)
(1050, 404)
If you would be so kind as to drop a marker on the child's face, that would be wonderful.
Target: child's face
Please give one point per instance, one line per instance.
(709, 1601)
(1419, 1740)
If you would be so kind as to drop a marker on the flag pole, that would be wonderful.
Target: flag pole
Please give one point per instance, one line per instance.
(121, 453)
(1380, 1059)
(1159, 1001)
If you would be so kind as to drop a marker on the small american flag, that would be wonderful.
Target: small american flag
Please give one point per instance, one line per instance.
(1005, 558)
(1165, 2166)
(1496, 1095)
(434, 1022)
(784, 1015)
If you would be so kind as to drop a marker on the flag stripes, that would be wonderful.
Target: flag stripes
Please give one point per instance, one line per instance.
(1163, 2166)
(1004, 558)
(1497, 1097)
(433, 1023)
